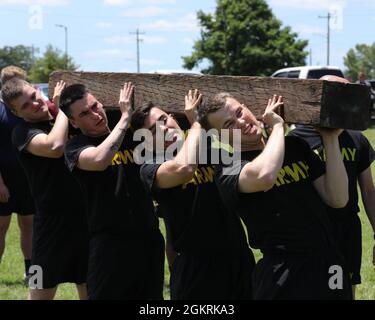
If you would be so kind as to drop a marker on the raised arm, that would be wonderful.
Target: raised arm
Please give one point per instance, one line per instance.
(57, 93)
(52, 145)
(100, 157)
(261, 173)
(181, 169)
(333, 185)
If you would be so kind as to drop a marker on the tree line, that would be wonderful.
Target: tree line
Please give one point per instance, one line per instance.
(242, 37)
(37, 68)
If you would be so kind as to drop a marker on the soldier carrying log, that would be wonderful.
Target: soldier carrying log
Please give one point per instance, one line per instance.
(279, 188)
(126, 255)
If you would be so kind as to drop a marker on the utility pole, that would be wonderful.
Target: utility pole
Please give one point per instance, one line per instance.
(328, 17)
(66, 43)
(138, 39)
(32, 55)
(310, 57)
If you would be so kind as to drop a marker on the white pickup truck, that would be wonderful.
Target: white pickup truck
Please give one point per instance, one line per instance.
(307, 72)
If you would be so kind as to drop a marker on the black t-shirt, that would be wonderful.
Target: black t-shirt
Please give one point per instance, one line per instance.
(115, 198)
(291, 216)
(357, 154)
(195, 214)
(52, 186)
(8, 121)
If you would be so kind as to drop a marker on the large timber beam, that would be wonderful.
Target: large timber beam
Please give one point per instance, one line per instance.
(328, 104)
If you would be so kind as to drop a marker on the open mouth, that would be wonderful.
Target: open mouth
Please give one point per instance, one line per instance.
(250, 129)
(171, 136)
(100, 122)
(37, 109)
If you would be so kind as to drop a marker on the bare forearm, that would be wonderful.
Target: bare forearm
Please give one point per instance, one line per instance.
(59, 133)
(108, 148)
(188, 155)
(336, 178)
(271, 159)
(261, 173)
(191, 118)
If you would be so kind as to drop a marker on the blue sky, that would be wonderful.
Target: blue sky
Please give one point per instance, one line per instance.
(99, 36)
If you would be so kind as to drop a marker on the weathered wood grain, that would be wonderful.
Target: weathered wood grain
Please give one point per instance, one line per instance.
(315, 102)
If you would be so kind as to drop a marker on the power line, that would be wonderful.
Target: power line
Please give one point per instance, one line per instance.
(138, 39)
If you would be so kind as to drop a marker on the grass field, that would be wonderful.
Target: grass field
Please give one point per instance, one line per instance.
(12, 266)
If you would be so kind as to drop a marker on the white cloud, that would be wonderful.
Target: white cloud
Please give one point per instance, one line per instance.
(187, 23)
(308, 4)
(129, 39)
(110, 54)
(104, 25)
(144, 12)
(49, 3)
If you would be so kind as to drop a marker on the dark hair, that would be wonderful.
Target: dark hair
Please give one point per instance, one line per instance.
(210, 106)
(140, 114)
(70, 95)
(12, 90)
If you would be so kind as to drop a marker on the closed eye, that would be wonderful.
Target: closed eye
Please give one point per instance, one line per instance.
(94, 107)
(83, 114)
(228, 124)
(239, 113)
(27, 104)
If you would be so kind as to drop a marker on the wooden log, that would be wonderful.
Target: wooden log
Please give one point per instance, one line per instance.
(317, 102)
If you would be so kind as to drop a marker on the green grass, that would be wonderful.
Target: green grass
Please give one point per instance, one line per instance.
(12, 269)
(12, 266)
(366, 291)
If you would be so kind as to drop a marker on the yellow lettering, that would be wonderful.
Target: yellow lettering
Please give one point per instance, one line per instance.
(295, 172)
(209, 173)
(116, 160)
(345, 155)
(184, 186)
(352, 153)
(320, 155)
(280, 178)
(198, 174)
(126, 156)
(304, 167)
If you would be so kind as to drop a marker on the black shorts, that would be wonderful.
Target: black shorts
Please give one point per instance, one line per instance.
(348, 233)
(60, 248)
(126, 267)
(219, 276)
(20, 201)
(281, 276)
